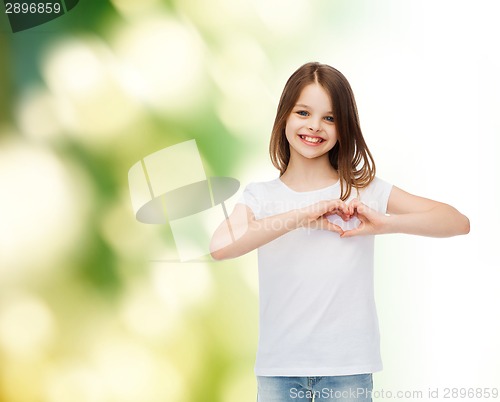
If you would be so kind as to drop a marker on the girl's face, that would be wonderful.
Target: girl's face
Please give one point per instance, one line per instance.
(310, 129)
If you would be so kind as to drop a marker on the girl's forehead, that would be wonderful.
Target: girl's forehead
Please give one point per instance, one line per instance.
(314, 95)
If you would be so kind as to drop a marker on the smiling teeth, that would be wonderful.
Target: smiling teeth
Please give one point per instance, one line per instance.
(311, 139)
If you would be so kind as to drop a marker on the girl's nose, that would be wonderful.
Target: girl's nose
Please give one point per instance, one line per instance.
(314, 126)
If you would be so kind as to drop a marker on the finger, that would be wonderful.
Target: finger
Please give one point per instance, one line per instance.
(346, 216)
(345, 208)
(339, 204)
(350, 233)
(351, 208)
(336, 229)
(340, 209)
(354, 204)
(331, 226)
(360, 208)
(331, 212)
(362, 211)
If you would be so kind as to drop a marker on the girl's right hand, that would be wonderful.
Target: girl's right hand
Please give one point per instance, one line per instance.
(315, 216)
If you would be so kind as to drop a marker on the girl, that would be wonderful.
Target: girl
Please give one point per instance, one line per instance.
(314, 228)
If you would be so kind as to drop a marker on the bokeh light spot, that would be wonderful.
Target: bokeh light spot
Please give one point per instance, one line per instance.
(180, 285)
(27, 326)
(43, 207)
(165, 59)
(84, 77)
(37, 115)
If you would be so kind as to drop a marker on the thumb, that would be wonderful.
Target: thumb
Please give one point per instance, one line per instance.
(351, 233)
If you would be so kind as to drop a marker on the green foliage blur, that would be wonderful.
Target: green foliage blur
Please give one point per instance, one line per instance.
(92, 308)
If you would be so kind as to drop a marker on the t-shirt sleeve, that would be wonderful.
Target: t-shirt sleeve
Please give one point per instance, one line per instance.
(376, 195)
(250, 198)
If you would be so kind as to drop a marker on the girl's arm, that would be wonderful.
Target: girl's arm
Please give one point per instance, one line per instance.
(409, 214)
(242, 233)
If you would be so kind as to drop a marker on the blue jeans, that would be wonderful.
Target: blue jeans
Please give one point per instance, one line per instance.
(346, 388)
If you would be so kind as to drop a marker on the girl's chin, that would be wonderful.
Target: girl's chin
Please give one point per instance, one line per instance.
(309, 154)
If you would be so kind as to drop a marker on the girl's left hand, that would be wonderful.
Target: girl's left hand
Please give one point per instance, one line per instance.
(371, 221)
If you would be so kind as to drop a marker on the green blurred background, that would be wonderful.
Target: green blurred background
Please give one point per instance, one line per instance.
(90, 308)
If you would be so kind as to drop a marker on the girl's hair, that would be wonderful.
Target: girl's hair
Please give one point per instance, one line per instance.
(350, 155)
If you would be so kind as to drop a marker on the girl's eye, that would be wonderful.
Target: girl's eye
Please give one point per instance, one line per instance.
(302, 113)
(329, 119)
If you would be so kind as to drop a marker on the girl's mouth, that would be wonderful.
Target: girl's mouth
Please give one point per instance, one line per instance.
(311, 140)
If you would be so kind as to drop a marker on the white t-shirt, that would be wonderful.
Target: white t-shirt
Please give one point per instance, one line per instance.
(317, 307)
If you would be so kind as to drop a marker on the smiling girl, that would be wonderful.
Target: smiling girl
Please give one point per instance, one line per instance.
(314, 229)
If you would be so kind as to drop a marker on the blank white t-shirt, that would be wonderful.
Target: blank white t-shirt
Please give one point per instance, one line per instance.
(316, 296)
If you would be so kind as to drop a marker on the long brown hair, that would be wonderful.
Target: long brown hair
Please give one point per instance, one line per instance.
(350, 156)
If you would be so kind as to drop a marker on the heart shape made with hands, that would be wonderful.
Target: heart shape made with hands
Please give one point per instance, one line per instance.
(359, 220)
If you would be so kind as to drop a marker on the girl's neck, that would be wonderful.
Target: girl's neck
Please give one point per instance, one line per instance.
(304, 174)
